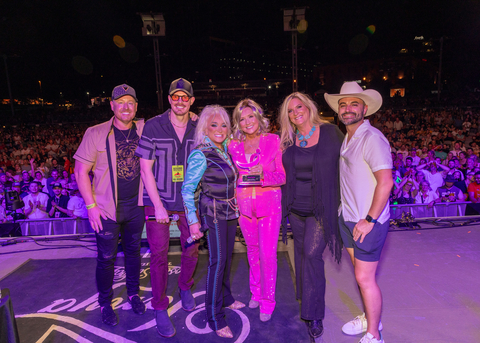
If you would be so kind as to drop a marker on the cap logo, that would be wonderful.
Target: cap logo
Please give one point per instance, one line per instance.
(125, 88)
(180, 84)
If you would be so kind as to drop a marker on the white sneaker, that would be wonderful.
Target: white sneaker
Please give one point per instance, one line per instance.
(358, 325)
(368, 338)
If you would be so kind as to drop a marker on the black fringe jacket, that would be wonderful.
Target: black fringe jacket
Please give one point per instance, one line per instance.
(325, 186)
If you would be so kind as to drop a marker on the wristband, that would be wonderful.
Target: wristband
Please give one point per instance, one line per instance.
(89, 207)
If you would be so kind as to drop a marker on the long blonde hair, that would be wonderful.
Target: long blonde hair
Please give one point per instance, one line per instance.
(287, 128)
(257, 112)
(205, 117)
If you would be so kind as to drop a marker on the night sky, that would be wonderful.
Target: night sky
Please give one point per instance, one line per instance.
(69, 47)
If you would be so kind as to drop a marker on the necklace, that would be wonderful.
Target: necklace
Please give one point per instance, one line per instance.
(127, 136)
(180, 127)
(252, 146)
(303, 139)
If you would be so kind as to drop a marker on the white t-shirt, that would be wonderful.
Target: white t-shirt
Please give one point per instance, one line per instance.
(77, 205)
(435, 180)
(367, 152)
(36, 213)
(51, 147)
(457, 153)
(415, 160)
(431, 195)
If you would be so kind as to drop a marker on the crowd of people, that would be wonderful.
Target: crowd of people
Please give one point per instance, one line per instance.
(435, 158)
(427, 147)
(213, 172)
(38, 195)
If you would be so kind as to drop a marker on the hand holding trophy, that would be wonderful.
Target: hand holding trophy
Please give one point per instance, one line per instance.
(255, 170)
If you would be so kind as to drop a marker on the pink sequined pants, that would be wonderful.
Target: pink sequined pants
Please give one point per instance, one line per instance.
(261, 236)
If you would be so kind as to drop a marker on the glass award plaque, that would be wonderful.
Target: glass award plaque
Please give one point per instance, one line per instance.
(250, 179)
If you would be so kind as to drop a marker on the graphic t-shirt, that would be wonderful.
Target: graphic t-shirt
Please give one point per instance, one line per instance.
(444, 192)
(128, 165)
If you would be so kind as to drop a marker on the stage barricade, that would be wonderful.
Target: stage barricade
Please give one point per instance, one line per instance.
(54, 226)
(68, 226)
(441, 209)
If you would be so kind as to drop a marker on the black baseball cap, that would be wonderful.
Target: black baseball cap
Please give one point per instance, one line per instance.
(181, 85)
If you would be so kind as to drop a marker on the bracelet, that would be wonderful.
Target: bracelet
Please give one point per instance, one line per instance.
(89, 207)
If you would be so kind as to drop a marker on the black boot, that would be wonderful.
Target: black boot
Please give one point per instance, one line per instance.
(315, 328)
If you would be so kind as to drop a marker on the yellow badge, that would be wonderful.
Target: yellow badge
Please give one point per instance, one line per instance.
(177, 173)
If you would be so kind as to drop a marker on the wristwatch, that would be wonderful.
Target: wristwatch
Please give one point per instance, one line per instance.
(369, 219)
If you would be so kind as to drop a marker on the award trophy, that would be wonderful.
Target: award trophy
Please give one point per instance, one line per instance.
(250, 179)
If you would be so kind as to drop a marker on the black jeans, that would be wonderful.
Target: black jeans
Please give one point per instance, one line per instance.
(309, 244)
(129, 224)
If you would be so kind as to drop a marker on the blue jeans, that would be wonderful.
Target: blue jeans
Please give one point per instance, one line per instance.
(129, 225)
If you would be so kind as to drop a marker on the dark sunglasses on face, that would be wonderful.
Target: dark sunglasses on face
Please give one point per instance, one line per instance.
(175, 97)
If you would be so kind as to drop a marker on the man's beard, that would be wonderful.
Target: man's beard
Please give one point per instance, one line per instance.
(350, 121)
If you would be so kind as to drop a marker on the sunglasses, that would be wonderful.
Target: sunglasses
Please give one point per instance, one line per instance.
(175, 97)
(254, 109)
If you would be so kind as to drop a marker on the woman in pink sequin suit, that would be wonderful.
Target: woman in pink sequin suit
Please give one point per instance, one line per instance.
(260, 205)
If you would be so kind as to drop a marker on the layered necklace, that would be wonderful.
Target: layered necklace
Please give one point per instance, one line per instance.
(304, 139)
(180, 127)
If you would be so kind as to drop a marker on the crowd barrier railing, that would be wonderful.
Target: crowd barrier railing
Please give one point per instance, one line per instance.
(54, 226)
(71, 226)
(441, 209)
(68, 226)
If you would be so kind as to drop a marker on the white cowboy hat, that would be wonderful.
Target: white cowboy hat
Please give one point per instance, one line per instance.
(352, 89)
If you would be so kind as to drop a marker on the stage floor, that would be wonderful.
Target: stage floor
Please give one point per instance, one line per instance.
(429, 279)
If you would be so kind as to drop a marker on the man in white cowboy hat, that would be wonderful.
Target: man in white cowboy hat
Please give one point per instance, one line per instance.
(365, 185)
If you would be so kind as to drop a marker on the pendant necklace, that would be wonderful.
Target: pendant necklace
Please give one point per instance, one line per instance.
(303, 139)
(127, 136)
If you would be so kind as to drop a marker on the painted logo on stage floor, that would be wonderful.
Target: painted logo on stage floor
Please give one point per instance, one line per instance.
(56, 301)
(75, 316)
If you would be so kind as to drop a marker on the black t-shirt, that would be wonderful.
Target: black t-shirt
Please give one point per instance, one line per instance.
(303, 203)
(128, 165)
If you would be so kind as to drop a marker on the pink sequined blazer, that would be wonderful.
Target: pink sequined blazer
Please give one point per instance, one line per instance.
(268, 196)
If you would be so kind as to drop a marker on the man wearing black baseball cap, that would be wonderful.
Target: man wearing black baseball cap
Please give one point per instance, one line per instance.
(448, 192)
(57, 204)
(166, 143)
(113, 204)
